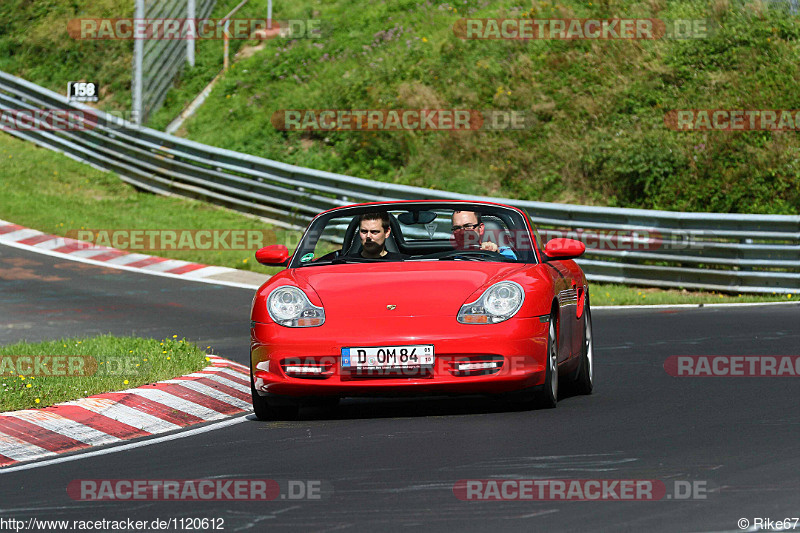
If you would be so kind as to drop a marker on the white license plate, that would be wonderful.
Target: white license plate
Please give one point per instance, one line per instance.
(388, 357)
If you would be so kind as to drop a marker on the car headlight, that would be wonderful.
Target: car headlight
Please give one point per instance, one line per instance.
(499, 302)
(290, 307)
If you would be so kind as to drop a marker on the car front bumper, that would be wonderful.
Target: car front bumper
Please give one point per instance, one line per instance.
(519, 345)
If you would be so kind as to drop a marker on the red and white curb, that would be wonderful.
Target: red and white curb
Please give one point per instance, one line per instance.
(218, 391)
(21, 237)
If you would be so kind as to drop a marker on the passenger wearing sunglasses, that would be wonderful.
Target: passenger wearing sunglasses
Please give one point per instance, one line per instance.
(468, 233)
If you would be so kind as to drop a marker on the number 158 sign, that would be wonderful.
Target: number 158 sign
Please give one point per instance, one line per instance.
(82, 91)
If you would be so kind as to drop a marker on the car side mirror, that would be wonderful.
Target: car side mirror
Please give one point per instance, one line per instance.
(274, 255)
(564, 249)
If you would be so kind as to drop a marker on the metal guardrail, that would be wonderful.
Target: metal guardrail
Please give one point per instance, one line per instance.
(727, 252)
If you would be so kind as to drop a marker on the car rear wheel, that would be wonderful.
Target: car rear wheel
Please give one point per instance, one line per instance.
(585, 381)
(548, 396)
(264, 411)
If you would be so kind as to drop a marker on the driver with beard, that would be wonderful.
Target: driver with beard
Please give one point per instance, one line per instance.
(373, 230)
(468, 231)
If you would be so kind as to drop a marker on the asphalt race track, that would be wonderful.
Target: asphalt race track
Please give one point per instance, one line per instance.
(392, 464)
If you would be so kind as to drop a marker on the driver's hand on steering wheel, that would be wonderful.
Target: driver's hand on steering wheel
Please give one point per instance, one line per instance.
(489, 246)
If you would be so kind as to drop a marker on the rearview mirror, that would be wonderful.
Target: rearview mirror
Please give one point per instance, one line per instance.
(416, 217)
(275, 255)
(564, 249)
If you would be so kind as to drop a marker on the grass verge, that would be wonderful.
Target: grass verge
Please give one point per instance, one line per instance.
(39, 374)
(611, 294)
(44, 190)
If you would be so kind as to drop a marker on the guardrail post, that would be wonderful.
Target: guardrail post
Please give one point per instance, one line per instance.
(227, 21)
(269, 15)
(138, 57)
(191, 14)
(745, 241)
(226, 60)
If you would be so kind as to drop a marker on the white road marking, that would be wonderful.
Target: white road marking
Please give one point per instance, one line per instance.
(19, 450)
(210, 391)
(125, 414)
(206, 271)
(233, 377)
(220, 380)
(124, 447)
(108, 264)
(127, 259)
(88, 253)
(21, 234)
(64, 426)
(230, 366)
(176, 402)
(58, 242)
(230, 372)
(163, 266)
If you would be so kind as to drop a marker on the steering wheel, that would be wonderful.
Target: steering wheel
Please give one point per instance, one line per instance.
(472, 253)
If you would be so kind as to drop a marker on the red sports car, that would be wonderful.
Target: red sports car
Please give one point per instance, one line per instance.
(420, 298)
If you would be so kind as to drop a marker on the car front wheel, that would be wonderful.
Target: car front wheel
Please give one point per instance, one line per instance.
(264, 411)
(548, 396)
(585, 381)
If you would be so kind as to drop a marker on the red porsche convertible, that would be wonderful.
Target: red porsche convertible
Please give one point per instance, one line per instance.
(420, 298)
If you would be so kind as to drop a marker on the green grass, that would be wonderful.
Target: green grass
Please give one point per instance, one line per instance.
(598, 134)
(612, 294)
(98, 364)
(598, 107)
(47, 191)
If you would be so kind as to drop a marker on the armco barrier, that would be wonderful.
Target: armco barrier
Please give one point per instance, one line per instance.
(728, 252)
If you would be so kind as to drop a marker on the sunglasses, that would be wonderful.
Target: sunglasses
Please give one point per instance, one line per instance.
(468, 227)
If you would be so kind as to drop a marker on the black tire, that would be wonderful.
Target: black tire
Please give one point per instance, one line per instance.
(264, 411)
(330, 403)
(585, 380)
(547, 398)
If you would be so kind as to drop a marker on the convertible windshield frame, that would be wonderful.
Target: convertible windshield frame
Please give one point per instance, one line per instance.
(514, 219)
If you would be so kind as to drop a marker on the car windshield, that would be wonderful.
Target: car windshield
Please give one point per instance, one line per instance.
(416, 232)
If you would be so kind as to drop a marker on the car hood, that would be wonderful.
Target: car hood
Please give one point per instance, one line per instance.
(414, 288)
